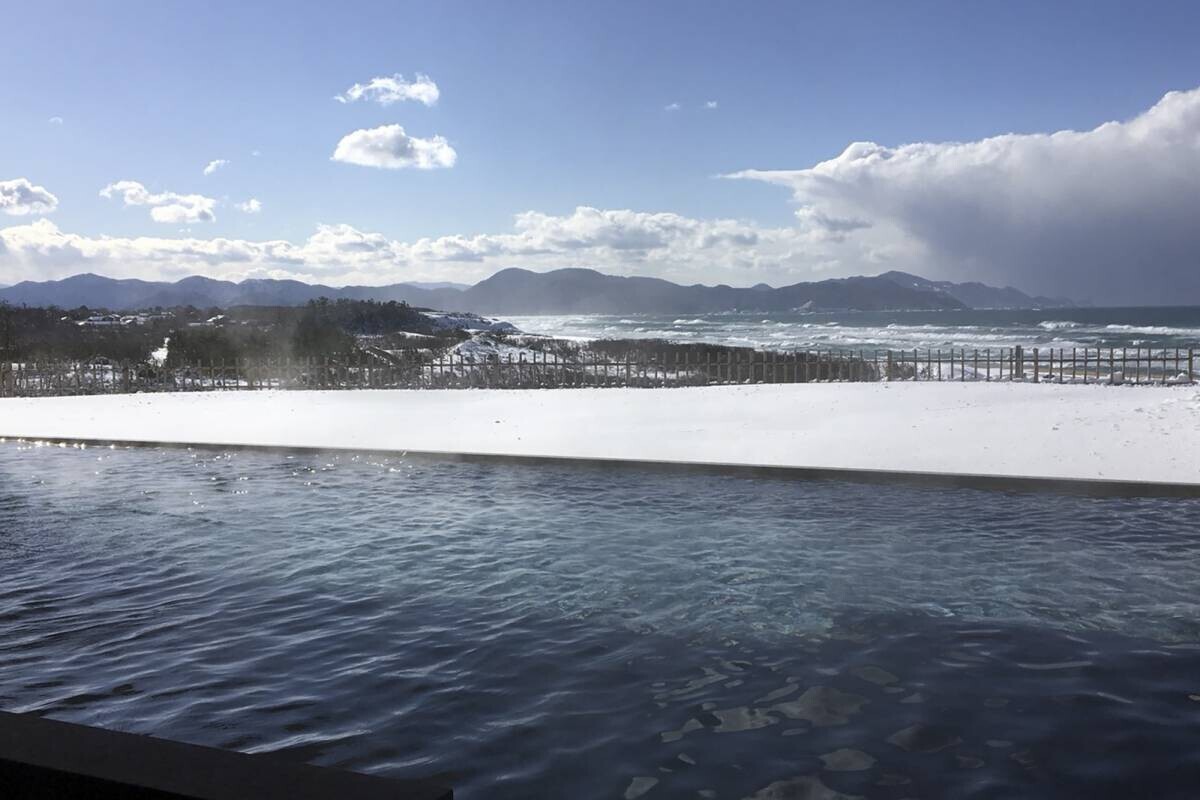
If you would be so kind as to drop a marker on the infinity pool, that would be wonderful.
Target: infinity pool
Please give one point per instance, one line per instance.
(606, 633)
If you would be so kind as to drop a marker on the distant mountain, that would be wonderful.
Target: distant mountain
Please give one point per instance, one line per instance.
(586, 291)
(978, 295)
(510, 291)
(100, 292)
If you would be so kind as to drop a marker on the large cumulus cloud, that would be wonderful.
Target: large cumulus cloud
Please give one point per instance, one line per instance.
(1109, 214)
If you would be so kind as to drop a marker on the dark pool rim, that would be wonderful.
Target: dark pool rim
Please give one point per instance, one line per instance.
(42, 757)
(1088, 487)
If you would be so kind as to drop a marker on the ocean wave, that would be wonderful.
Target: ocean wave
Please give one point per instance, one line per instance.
(788, 332)
(1154, 330)
(899, 326)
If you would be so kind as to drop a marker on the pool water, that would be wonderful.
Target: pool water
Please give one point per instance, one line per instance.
(588, 632)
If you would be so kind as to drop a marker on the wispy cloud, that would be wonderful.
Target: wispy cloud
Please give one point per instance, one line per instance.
(386, 90)
(389, 147)
(710, 104)
(55, 120)
(215, 165)
(251, 206)
(20, 197)
(672, 107)
(164, 206)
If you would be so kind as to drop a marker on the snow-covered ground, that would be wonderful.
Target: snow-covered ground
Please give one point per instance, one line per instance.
(482, 347)
(468, 322)
(1056, 431)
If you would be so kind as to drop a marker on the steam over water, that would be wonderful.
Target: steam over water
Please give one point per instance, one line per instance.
(1065, 328)
(589, 633)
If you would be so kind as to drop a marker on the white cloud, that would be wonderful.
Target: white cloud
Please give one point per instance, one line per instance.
(710, 104)
(387, 90)
(619, 241)
(389, 147)
(41, 250)
(55, 120)
(19, 197)
(672, 107)
(165, 206)
(215, 165)
(1107, 214)
(251, 206)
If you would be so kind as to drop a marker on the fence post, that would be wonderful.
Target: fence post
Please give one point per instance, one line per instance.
(1035, 364)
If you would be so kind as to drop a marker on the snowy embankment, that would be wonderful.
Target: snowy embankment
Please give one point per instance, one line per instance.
(1050, 431)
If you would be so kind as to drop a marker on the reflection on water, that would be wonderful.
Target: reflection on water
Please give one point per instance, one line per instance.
(574, 631)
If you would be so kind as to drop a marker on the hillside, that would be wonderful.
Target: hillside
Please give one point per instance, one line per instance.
(978, 295)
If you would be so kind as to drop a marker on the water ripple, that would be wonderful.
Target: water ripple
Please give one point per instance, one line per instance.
(583, 632)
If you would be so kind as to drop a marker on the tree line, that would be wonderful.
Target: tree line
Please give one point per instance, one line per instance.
(320, 329)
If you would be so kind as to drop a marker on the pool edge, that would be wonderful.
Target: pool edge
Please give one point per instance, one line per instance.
(1091, 487)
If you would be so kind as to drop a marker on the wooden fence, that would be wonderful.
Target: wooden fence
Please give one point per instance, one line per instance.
(544, 370)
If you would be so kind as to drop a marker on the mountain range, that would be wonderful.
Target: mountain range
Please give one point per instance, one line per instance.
(979, 295)
(520, 291)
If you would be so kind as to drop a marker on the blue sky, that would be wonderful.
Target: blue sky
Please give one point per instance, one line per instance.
(548, 106)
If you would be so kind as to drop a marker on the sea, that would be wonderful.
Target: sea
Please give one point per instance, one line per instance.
(1147, 327)
(520, 631)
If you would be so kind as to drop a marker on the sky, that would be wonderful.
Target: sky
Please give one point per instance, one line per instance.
(1051, 146)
